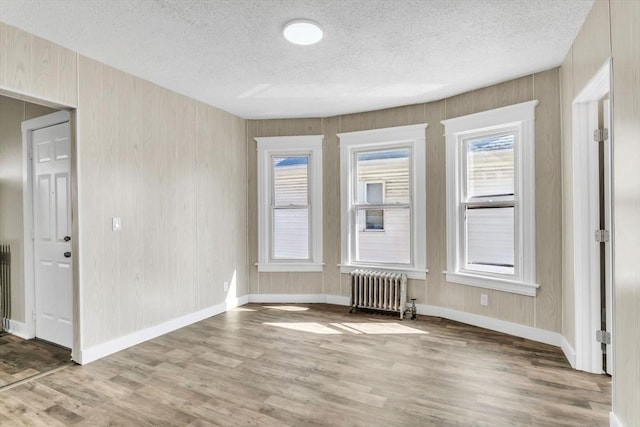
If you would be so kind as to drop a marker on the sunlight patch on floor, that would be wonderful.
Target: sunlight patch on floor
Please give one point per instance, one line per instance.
(313, 327)
(353, 328)
(243, 309)
(286, 307)
(383, 328)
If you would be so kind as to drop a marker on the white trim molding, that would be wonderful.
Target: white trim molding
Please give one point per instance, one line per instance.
(517, 120)
(301, 145)
(568, 351)
(614, 421)
(298, 299)
(586, 219)
(88, 355)
(511, 328)
(20, 329)
(412, 137)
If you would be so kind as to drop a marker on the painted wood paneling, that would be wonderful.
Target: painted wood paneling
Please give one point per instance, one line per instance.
(331, 206)
(436, 203)
(399, 116)
(174, 170)
(592, 46)
(11, 216)
(267, 282)
(548, 201)
(36, 67)
(12, 113)
(543, 312)
(625, 38)
(568, 295)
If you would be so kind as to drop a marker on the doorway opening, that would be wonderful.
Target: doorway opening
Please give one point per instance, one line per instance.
(593, 227)
(29, 349)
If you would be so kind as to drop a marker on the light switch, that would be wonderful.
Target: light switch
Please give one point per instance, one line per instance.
(116, 223)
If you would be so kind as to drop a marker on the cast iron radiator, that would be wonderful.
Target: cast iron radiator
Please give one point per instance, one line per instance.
(5, 286)
(379, 290)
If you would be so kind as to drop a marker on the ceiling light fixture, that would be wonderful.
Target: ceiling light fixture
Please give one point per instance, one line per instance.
(302, 31)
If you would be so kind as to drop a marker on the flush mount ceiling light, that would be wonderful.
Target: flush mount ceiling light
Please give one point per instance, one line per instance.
(302, 31)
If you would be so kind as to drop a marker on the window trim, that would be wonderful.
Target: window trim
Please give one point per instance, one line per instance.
(289, 146)
(413, 137)
(521, 119)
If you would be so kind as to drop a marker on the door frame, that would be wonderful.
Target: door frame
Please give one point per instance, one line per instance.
(586, 251)
(28, 127)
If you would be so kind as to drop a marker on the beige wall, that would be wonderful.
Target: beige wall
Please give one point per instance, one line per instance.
(625, 42)
(172, 168)
(611, 30)
(544, 311)
(12, 113)
(37, 68)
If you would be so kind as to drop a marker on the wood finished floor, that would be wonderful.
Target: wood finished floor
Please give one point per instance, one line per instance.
(20, 359)
(318, 365)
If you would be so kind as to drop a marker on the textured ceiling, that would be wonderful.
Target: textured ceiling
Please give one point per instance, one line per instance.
(375, 53)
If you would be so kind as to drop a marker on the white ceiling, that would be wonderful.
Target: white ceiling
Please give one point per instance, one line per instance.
(375, 53)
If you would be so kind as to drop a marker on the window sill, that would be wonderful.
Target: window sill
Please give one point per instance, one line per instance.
(290, 267)
(505, 285)
(412, 273)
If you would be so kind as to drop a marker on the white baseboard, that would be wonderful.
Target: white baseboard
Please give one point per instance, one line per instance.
(338, 300)
(99, 351)
(299, 298)
(19, 329)
(93, 353)
(288, 298)
(515, 329)
(568, 351)
(614, 421)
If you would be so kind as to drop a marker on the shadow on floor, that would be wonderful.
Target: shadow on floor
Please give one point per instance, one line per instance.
(21, 359)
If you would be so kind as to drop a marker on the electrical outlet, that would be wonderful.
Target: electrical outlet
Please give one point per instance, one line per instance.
(116, 224)
(484, 299)
(226, 286)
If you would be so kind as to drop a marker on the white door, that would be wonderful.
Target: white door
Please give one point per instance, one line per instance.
(51, 151)
(608, 261)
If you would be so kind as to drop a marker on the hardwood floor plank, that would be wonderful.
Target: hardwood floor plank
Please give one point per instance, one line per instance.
(269, 366)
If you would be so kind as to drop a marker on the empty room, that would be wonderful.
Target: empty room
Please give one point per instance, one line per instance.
(320, 212)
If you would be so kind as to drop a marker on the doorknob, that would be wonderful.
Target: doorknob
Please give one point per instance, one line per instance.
(67, 254)
(67, 238)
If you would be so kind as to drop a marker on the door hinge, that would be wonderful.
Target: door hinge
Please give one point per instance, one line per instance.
(600, 135)
(602, 236)
(603, 337)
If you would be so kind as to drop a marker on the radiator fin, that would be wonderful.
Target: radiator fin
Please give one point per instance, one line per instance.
(379, 290)
(5, 286)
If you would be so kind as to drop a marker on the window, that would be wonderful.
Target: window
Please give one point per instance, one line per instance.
(290, 203)
(374, 195)
(383, 199)
(491, 199)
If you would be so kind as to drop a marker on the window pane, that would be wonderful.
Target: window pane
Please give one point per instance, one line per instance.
(374, 219)
(389, 169)
(490, 236)
(490, 166)
(290, 180)
(375, 193)
(391, 244)
(291, 233)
